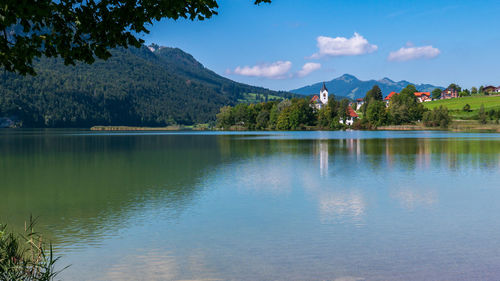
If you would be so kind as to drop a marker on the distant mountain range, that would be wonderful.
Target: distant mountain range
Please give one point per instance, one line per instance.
(349, 86)
(149, 86)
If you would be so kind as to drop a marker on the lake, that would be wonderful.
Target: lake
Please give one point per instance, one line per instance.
(259, 205)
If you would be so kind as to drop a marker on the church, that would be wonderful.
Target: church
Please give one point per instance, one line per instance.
(322, 100)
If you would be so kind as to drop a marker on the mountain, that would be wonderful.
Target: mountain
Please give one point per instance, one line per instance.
(349, 86)
(149, 86)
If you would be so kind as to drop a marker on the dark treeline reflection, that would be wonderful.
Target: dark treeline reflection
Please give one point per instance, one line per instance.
(85, 186)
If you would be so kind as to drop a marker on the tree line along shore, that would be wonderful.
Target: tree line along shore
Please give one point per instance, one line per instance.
(402, 112)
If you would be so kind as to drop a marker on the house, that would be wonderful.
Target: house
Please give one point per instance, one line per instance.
(356, 105)
(322, 100)
(388, 98)
(449, 93)
(315, 102)
(491, 89)
(359, 103)
(423, 96)
(351, 116)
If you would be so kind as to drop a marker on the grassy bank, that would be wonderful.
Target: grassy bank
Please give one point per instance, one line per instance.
(418, 127)
(198, 127)
(474, 126)
(129, 128)
(456, 125)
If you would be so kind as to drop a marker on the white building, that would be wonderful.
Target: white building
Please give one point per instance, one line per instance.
(351, 117)
(322, 100)
(359, 103)
(323, 94)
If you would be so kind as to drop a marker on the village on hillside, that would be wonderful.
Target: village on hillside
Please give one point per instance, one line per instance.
(449, 93)
(407, 107)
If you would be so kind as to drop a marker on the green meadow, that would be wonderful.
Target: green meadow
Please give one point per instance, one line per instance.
(256, 98)
(455, 106)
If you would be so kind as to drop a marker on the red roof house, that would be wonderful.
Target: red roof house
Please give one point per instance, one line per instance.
(419, 94)
(351, 112)
(351, 115)
(388, 98)
(449, 93)
(423, 96)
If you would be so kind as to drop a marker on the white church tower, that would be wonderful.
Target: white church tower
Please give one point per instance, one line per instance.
(323, 94)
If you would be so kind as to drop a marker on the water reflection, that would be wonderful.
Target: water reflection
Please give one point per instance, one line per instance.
(337, 207)
(103, 179)
(414, 198)
(150, 265)
(189, 206)
(85, 189)
(323, 156)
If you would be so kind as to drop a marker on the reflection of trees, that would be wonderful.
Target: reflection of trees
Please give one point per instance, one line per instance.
(83, 187)
(381, 153)
(86, 186)
(423, 153)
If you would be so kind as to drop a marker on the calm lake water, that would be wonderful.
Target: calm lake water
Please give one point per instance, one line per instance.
(259, 206)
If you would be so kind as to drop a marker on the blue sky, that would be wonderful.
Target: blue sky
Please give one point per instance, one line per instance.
(437, 42)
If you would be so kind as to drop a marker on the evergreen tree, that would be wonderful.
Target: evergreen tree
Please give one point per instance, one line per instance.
(375, 94)
(376, 114)
(482, 115)
(455, 87)
(436, 93)
(262, 120)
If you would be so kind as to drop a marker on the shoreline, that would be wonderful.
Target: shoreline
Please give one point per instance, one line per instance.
(455, 126)
(133, 128)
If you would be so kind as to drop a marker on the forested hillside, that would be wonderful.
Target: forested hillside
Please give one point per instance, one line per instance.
(135, 87)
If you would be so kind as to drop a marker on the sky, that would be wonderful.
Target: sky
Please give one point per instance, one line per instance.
(289, 44)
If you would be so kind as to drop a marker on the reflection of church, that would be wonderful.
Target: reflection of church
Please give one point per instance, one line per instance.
(323, 158)
(353, 146)
(337, 203)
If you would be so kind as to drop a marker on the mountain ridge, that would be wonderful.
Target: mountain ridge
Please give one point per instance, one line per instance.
(351, 87)
(134, 87)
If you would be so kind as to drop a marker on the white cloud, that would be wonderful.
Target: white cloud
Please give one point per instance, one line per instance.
(275, 70)
(308, 68)
(341, 46)
(413, 53)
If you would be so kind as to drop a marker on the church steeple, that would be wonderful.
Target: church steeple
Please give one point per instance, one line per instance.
(324, 88)
(323, 94)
